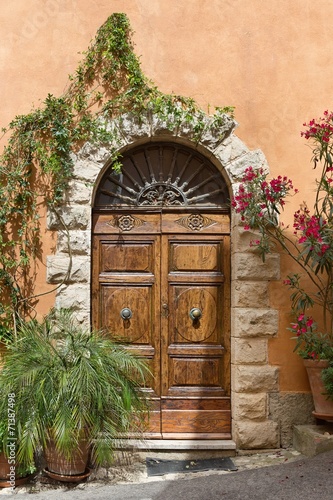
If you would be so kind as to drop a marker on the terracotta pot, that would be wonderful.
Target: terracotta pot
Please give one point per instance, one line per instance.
(323, 406)
(57, 463)
(6, 474)
(20, 481)
(4, 467)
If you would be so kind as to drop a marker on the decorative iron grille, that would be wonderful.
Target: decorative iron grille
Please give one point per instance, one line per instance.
(163, 175)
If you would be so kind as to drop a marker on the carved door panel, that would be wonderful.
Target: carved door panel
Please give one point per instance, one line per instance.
(162, 282)
(126, 290)
(195, 335)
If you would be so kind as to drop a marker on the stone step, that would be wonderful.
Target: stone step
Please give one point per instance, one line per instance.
(310, 440)
(220, 447)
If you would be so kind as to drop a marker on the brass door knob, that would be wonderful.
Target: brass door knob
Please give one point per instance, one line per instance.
(195, 313)
(126, 313)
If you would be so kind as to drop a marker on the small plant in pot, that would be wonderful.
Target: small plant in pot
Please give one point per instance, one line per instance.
(76, 391)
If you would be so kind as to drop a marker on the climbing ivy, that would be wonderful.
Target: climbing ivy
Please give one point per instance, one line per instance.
(36, 164)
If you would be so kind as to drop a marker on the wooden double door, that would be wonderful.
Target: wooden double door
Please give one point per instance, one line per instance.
(161, 280)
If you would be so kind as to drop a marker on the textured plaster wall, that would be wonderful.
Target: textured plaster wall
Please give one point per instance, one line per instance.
(270, 59)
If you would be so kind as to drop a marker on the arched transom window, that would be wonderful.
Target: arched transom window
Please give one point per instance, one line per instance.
(163, 175)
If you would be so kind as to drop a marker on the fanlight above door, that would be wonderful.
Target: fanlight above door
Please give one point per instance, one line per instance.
(163, 175)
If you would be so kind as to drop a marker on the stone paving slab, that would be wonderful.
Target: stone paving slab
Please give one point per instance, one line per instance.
(131, 469)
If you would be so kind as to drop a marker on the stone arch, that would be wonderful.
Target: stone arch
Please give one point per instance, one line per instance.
(253, 322)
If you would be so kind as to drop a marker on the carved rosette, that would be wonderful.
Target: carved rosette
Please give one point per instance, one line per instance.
(125, 222)
(195, 222)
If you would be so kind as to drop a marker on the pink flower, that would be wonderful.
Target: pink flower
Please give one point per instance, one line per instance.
(323, 249)
(254, 243)
(309, 322)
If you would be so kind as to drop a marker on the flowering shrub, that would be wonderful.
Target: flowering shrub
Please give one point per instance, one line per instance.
(260, 201)
(310, 343)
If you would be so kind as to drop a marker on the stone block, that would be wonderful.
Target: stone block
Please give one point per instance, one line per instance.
(241, 241)
(254, 379)
(249, 406)
(79, 192)
(230, 149)
(70, 216)
(83, 317)
(162, 127)
(248, 266)
(212, 136)
(249, 351)
(248, 322)
(255, 159)
(310, 440)
(86, 170)
(79, 242)
(95, 154)
(132, 128)
(289, 409)
(73, 296)
(250, 294)
(61, 268)
(256, 435)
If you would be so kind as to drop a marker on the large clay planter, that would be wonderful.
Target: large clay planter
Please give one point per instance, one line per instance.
(59, 464)
(323, 406)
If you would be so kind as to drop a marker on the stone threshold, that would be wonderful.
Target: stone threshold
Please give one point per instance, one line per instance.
(177, 444)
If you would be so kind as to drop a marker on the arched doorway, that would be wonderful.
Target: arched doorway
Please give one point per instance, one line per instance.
(161, 280)
(254, 387)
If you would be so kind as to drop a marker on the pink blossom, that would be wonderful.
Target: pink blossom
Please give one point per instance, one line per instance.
(309, 322)
(254, 243)
(323, 249)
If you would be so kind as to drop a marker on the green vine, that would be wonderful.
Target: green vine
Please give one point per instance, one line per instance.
(36, 164)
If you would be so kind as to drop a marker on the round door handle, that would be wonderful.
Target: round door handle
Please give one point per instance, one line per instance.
(126, 313)
(195, 313)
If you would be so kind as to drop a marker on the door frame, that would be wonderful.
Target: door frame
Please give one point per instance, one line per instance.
(254, 321)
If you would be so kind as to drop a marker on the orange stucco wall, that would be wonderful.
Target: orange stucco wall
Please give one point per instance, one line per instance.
(268, 58)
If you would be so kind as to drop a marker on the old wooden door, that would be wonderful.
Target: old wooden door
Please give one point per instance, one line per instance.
(161, 281)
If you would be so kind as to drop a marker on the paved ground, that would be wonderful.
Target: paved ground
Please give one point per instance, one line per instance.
(280, 475)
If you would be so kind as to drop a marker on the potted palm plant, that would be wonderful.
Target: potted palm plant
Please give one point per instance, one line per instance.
(75, 391)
